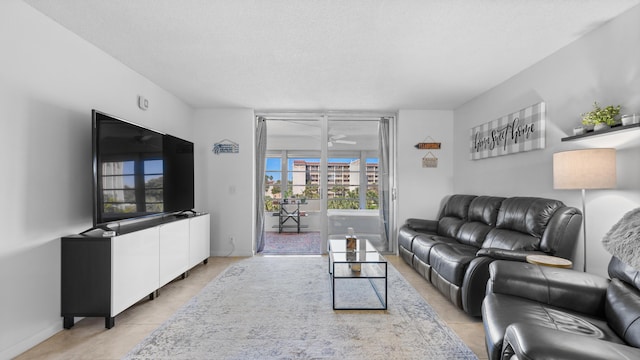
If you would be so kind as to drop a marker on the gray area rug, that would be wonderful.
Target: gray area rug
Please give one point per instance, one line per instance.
(287, 243)
(281, 308)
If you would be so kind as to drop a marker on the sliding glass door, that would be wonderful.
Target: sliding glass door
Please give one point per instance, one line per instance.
(335, 166)
(355, 192)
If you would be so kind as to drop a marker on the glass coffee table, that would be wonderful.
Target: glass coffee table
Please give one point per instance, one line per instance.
(358, 278)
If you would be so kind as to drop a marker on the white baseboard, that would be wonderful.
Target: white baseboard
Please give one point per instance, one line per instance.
(28, 343)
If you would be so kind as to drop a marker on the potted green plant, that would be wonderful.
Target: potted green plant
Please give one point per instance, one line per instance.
(601, 118)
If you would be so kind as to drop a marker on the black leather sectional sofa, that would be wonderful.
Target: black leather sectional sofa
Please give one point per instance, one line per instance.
(537, 312)
(454, 251)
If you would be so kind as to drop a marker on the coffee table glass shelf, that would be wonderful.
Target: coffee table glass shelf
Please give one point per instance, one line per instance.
(357, 289)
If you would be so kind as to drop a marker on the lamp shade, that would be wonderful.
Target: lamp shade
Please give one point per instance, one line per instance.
(584, 169)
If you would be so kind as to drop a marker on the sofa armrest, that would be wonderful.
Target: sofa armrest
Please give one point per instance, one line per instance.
(565, 288)
(503, 254)
(527, 341)
(423, 225)
(474, 285)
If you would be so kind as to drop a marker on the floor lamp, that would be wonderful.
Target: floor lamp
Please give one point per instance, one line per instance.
(584, 169)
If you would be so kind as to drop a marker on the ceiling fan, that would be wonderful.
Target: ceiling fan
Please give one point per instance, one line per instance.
(338, 139)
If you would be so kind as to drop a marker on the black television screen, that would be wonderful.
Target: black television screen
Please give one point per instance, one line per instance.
(178, 174)
(138, 171)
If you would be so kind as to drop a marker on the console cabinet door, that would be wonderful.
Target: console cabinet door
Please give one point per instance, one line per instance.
(134, 266)
(199, 241)
(174, 250)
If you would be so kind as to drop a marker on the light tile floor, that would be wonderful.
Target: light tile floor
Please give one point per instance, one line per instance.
(88, 339)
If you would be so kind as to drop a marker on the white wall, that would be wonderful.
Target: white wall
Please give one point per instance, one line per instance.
(420, 190)
(226, 180)
(50, 79)
(604, 65)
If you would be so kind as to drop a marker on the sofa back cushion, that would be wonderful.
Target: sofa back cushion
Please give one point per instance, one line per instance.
(562, 232)
(622, 310)
(528, 215)
(483, 214)
(521, 222)
(454, 214)
(485, 209)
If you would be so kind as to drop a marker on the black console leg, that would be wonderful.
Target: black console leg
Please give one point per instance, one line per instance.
(206, 261)
(68, 322)
(109, 322)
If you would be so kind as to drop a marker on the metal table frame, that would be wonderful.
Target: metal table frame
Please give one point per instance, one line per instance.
(373, 266)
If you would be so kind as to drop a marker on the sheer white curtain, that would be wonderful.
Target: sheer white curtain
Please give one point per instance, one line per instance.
(261, 151)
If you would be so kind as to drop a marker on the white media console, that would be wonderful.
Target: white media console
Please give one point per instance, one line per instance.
(104, 275)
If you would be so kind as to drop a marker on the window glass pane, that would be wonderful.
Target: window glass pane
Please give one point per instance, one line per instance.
(153, 200)
(118, 174)
(153, 181)
(118, 182)
(119, 200)
(303, 177)
(372, 184)
(343, 181)
(116, 196)
(120, 208)
(273, 182)
(118, 168)
(153, 167)
(153, 196)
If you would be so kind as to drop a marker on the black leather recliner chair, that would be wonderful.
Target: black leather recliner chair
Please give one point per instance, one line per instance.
(537, 312)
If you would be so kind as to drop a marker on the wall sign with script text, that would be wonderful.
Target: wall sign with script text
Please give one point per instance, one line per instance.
(520, 131)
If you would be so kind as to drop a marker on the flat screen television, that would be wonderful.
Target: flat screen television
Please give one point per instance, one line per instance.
(138, 171)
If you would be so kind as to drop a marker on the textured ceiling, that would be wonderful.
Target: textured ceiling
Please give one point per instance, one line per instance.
(331, 54)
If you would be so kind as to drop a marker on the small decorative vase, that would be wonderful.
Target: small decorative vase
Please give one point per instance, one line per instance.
(588, 127)
(601, 126)
(630, 119)
(579, 130)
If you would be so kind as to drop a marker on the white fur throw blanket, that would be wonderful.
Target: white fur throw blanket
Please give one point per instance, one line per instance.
(623, 240)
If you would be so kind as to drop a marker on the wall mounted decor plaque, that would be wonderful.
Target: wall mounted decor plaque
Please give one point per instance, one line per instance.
(520, 131)
(226, 146)
(429, 160)
(428, 145)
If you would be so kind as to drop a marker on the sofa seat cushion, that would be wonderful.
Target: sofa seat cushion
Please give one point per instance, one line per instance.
(422, 245)
(510, 240)
(450, 261)
(499, 311)
(405, 237)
